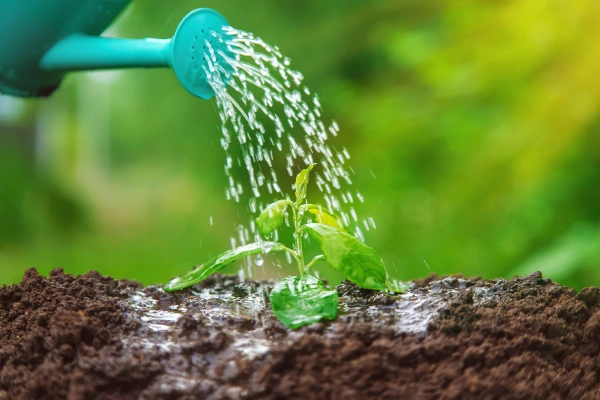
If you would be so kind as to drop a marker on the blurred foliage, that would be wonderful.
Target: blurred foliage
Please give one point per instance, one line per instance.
(474, 128)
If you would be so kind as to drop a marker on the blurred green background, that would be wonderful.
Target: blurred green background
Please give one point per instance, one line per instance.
(480, 121)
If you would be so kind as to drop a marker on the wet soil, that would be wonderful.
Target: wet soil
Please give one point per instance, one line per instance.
(91, 337)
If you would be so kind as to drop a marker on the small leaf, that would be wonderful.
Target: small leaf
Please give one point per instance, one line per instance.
(222, 260)
(298, 301)
(358, 262)
(302, 183)
(323, 216)
(272, 217)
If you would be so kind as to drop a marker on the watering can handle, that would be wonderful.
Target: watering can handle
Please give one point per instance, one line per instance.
(81, 52)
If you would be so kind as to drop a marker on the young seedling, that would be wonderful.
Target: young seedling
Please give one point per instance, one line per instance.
(302, 300)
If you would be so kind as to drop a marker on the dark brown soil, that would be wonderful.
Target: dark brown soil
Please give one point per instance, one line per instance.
(92, 337)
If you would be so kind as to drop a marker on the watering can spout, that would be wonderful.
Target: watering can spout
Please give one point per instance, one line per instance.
(84, 53)
(37, 73)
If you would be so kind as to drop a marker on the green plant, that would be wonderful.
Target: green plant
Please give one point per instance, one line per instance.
(302, 300)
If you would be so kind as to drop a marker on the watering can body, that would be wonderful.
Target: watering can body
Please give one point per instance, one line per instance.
(30, 28)
(42, 40)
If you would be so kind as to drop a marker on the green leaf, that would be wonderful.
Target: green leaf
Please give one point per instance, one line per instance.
(222, 260)
(298, 301)
(323, 215)
(357, 261)
(272, 217)
(302, 184)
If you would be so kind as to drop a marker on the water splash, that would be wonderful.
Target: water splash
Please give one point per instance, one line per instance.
(277, 123)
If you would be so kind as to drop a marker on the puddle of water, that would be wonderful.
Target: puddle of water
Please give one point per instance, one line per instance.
(252, 348)
(415, 309)
(213, 307)
(239, 313)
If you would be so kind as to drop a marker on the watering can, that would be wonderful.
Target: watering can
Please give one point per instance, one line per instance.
(42, 40)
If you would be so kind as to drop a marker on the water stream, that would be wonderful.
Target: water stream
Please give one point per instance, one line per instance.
(276, 121)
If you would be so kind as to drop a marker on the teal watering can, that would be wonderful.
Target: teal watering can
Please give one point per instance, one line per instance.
(42, 40)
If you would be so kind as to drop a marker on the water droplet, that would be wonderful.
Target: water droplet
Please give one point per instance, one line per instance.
(359, 235)
(367, 228)
(267, 247)
(259, 260)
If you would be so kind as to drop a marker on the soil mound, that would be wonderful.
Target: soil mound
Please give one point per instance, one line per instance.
(92, 337)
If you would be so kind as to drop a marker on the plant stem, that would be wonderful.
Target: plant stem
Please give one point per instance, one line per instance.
(314, 260)
(291, 252)
(298, 230)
